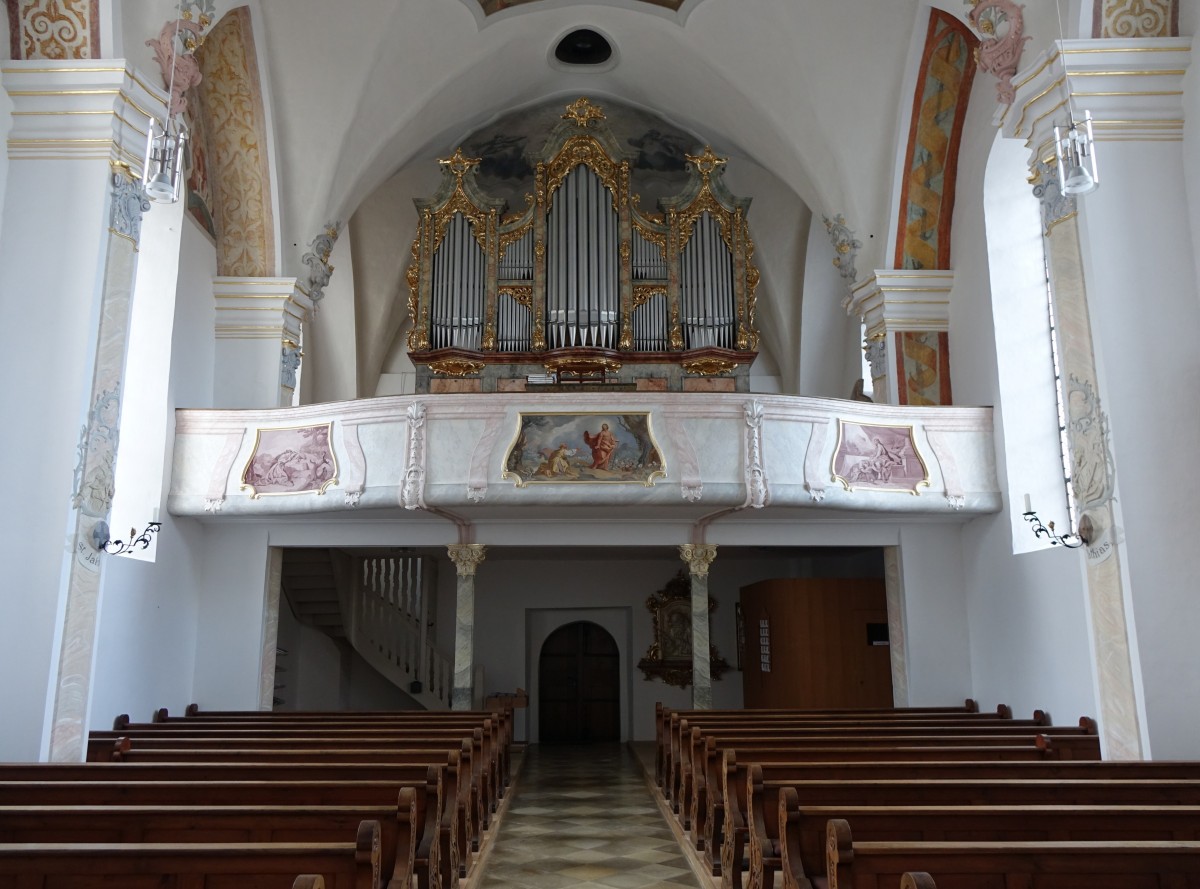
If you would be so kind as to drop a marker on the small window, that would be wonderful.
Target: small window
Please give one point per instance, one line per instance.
(583, 46)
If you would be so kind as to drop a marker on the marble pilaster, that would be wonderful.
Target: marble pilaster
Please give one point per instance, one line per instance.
(466, 558)
(893, 581)
(698, 558)
(270, 634)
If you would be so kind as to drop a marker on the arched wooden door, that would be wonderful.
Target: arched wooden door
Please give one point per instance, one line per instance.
(579, 686)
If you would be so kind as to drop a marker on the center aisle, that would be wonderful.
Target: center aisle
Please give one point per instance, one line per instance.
(582, 817)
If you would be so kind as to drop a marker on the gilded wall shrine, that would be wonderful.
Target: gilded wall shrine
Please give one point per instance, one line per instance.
(54, 29)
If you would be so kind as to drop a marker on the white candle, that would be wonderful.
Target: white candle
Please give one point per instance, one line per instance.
(1028, 508)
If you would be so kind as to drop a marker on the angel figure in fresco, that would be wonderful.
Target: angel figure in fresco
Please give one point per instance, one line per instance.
(603, 443)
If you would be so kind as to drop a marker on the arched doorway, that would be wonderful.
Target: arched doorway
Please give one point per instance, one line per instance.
(579, 686)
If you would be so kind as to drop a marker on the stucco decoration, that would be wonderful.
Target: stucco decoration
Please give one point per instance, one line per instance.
(412, 492)
(1135, 18)
(847, 247)
(231, 105)
(877, 353)
(54, 29)
(931, 164)
(175, 51)
(97, 456)
(289, 363)
(1092, 472)
(490, 7)
(757, 486)
(1056, 206)
(129, 202)
(1002, 26)
(317, 260)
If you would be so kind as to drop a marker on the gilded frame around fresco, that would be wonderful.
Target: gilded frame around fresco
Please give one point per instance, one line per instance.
(255, 494)
(569, 467)
(857, 482)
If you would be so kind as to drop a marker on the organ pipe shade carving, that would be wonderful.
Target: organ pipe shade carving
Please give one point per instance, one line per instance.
(582, 266)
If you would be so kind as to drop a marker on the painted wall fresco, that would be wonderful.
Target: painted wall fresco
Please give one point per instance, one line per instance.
(1135, 18)
(923, 361)
(296, 460)
(931, 164)
(232, 165)
(54, 29)
(573, 448)
(510, 145)
(878, 458)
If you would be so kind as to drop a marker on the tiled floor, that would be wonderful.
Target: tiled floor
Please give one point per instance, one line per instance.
(582, 817)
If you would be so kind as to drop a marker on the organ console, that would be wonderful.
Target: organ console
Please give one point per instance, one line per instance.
(582, 275)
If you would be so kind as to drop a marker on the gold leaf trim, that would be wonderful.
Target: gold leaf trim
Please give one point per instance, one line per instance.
(456, 367)
(709, 367)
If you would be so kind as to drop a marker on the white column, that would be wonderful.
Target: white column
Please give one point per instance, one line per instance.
(1124, 286)
(699, 557)
(466, 558)
(68, 245)
(893, 305)
(258, 335)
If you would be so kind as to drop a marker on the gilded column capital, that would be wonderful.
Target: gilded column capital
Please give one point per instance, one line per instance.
(698, 557)
(466, 557)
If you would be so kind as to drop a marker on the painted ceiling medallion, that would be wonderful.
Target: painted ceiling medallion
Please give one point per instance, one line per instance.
(491, 7)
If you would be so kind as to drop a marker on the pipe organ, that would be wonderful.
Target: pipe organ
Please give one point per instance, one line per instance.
(583, 271)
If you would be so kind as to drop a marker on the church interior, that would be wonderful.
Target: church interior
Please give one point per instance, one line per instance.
(588, 355)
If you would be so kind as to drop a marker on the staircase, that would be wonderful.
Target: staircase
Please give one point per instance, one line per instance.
(383, 606)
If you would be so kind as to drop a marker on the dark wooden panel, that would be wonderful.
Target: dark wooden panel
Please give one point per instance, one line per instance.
(579, 688)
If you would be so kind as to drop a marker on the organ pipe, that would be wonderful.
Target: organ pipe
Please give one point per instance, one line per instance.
(581, 263)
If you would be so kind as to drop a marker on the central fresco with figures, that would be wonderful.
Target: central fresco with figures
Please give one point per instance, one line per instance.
(568, 243)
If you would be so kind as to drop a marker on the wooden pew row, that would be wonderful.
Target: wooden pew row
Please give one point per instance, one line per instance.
(803, 832)
(703, 795)
(502, 719)
(464, 793)
(664, 716)
(1110, 864)
(477, 791)
(343, 865)
(701, 758)
(681, 729)
(495, 739)
(111, 824)
(959, 784)
(437, 855)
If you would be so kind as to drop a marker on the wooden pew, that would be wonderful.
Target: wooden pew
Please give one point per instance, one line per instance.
(462, 788)
(681, 729)
(229, 824)
(700, 768)
(803, 828)
(492, 750)
(343, 865)
(486, 761)
(752, 811)
(437, 852)
(1109, 864)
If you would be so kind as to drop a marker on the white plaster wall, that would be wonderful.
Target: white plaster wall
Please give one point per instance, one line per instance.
(329, 336)
(936, 626)
(829, 338)
(1191, 138)
(146, 647)
(229, 619)
(1026, 619)
(46, 353)
(1141, 313)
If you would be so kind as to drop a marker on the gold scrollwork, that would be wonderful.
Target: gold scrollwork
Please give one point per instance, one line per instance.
(414, 283)
(753, 277)
(521, 293)
(586, 150)
(488, 343)
(705, 202)
(456, 367)
(583, 112)
(643, 293)
(460, 203)
(654, 237)
(518, 215)
(507, 239)
(539, 250)
(676, 329)
(709, 367)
